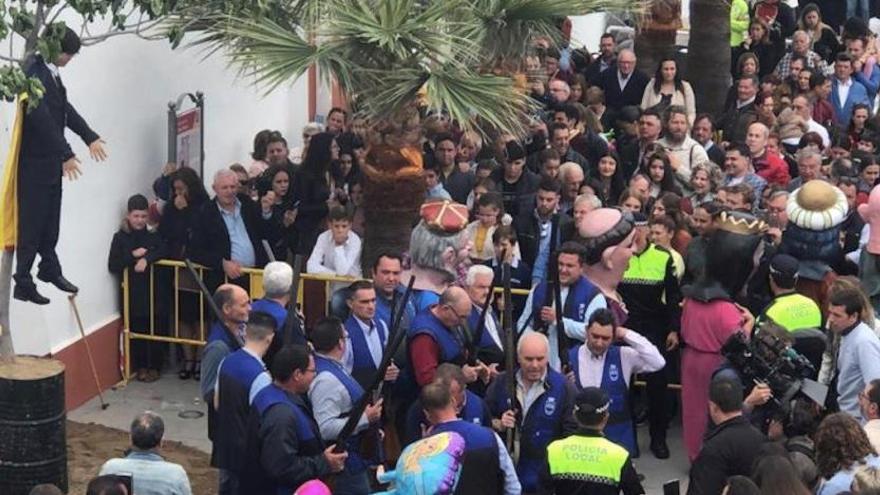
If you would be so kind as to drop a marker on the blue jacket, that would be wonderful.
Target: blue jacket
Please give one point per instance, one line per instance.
(844, 110)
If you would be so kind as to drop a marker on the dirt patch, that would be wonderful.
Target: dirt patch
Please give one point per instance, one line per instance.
(90, 445)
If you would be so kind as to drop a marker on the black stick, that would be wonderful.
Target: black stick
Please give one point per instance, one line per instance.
(218, 315)
(510, 339)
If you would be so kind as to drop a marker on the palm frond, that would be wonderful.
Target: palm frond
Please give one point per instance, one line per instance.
(507, 27)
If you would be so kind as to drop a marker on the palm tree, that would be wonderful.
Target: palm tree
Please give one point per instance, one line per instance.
(655, 35)
(708, 61)
(394, 59)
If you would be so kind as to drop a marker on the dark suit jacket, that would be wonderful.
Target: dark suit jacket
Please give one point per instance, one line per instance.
(43, 146)
(529, 235)
(210, 243)
(735, 122)
(616, 99)
(594, 71)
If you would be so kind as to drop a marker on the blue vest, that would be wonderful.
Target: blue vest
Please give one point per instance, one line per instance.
(480, 471)
(237, 374)
(541, 425)
(219, 333)
(620, 426)
(383, 307)
(451, 347)
(363, 368)
(354, 462)
(576, 302)
(486, 342)
(424, 299)
(307, 434)
(273, 308)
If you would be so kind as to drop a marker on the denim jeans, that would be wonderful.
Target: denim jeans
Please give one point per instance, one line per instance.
(858, 8)
(347, 483)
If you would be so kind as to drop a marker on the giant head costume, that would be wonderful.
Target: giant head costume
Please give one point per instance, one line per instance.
(439, 244)
(733, 252)
(815, 213)
(431, 466)
(608, 235)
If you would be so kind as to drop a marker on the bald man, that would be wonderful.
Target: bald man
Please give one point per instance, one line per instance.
(624, 85)
(768, 165)
(225, 337)
(541, 411)
(436, 335)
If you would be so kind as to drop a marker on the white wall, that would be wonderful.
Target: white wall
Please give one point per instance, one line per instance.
(122, 88)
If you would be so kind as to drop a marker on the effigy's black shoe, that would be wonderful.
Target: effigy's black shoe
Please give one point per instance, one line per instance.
(62, 283)
(29, 294)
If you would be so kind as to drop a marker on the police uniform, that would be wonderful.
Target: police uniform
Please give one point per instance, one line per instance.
(791, 311)
(586, 462)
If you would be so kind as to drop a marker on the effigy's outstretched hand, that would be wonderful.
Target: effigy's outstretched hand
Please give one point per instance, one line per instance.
(97, 151)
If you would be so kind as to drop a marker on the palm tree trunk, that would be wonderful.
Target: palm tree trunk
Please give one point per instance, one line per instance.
(708, 62)
(394, 189)
(655, 36)
(7, 351)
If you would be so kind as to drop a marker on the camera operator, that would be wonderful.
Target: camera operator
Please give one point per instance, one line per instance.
(759, 405)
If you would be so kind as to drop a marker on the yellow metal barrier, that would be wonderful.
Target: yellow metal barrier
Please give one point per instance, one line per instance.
(255, 291)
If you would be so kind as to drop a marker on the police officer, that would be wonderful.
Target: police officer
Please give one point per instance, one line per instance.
(587, 462)
(790, 310)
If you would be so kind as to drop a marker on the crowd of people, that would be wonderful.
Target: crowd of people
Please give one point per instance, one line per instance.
(648, 235)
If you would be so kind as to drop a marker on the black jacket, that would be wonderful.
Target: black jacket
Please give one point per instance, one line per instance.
(727, 451)
(210, 243)
(43, 146)
(631, 94)
(176, 228)
(735, 122)
(520, 196)
(124, 242)
(310, 194)
(529, 235)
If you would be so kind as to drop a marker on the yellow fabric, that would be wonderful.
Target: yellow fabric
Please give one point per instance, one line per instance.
(794, 312)
(9, 193)
(593, 459)
(480, 238)
(648, 268)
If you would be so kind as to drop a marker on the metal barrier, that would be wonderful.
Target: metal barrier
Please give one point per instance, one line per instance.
(255, 291)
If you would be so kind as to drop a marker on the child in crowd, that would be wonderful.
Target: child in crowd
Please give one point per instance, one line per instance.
(135, 248)
(338, 249)
(490, 213)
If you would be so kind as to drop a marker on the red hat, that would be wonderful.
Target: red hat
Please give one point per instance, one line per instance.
(444, 216)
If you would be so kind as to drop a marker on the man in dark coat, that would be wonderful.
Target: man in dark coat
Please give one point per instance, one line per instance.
(624, 86)
(731, 448)
(229, 230)
(45, 154)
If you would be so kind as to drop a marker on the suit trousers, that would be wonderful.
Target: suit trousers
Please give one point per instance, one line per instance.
(39, 216)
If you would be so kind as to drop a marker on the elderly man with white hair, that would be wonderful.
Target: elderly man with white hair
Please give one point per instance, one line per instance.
(490, 343)
(800, 46)
(277, 279)
(229, 229)
(542, 409)
(571, 175)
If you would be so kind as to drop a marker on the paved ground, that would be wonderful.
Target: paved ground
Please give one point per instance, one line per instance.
(176, 401)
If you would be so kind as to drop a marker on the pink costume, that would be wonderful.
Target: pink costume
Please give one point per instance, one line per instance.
(705, 326)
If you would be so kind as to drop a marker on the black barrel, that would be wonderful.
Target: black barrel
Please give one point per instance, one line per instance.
(33, 442)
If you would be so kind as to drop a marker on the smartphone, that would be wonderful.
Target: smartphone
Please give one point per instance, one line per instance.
(671, 488)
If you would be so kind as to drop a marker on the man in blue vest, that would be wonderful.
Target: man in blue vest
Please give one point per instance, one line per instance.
(486, 465)
(469, 406)
(389, 291)
(332, 394)
(436, 336)
(367, 336)
(225, 337)
(580, 299)
(490, 348)
(277, 278)
(283, 444)
(541, 411)
(599, 363)
(240, 377)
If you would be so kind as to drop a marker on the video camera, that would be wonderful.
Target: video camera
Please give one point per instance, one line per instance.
(767, 359)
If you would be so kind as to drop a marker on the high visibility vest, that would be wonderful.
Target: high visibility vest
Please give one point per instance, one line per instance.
(793, 312)
(580, 458)
(648, 268)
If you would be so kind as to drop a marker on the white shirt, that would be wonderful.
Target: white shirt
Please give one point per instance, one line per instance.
(843, 90)
(640, 357)
(54, 70)
(872, 428)
(740, 104)
(819, 129)
(528, 396)
(493, 330)
(574, 329)
(330, 259)
(374, 343)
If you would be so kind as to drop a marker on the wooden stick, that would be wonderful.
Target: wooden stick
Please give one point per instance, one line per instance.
(72, 299)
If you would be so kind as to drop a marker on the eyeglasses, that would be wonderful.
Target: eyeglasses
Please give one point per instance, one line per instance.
(460, 317)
